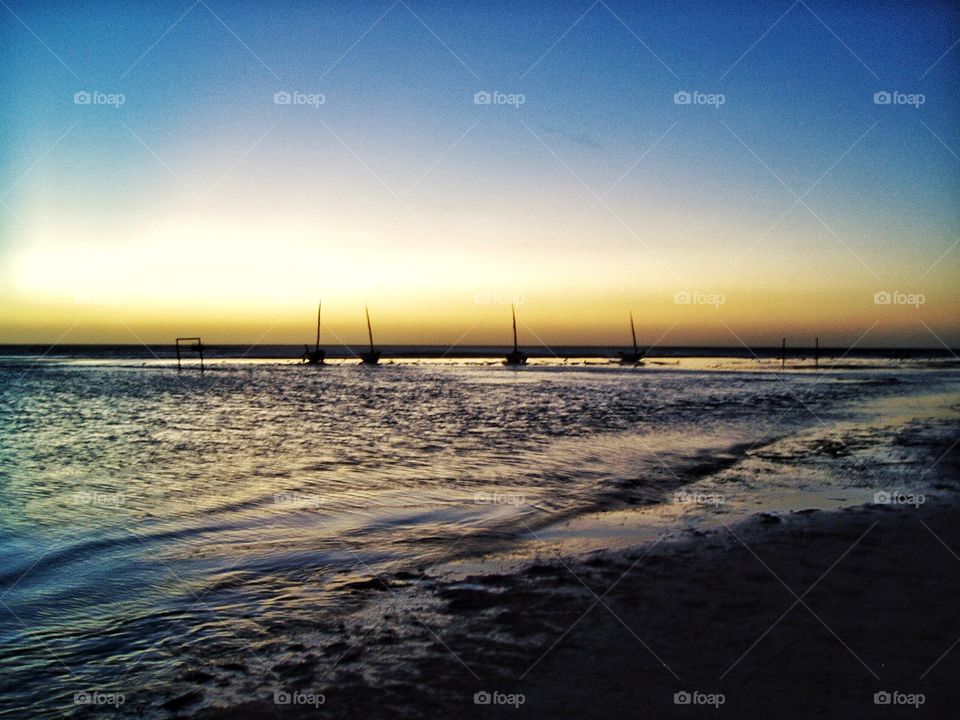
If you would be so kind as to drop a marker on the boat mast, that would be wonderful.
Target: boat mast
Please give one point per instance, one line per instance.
(319, 305)
(369, 329)
(634, 334)
(513, 312)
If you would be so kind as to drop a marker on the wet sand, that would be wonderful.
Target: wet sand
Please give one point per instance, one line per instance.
(808, 616)
(794, 615)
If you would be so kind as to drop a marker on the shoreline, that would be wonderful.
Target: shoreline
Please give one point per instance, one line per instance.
(797, 358)
(753, 365)
(415, 623)
(756, 609)
(712, 613)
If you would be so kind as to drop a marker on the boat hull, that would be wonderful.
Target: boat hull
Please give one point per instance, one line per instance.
(631, 358)
(371, 357)
(515, 358)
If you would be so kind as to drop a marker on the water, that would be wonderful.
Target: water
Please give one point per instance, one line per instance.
(178, 537)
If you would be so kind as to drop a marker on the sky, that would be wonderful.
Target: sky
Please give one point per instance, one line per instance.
(154, 183)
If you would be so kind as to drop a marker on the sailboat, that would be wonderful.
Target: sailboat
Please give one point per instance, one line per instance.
(372, 356)
(315, 356)
(635, 357)
(516, 357)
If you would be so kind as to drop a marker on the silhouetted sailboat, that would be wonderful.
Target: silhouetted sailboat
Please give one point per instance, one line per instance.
(634, 358)
(372, 356)
(516, 357)
(315, 356)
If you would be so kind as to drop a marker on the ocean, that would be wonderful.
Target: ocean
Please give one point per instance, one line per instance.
(180, 538)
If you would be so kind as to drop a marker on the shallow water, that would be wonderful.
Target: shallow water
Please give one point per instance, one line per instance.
(161, 531)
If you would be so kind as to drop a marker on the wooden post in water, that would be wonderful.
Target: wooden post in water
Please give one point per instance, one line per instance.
(196, 346)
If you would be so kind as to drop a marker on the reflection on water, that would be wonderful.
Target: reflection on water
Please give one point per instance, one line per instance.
(160, 531)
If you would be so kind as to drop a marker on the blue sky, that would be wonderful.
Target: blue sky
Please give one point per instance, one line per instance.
(597, 191)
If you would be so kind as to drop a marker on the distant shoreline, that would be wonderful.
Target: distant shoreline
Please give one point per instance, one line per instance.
(471, 352)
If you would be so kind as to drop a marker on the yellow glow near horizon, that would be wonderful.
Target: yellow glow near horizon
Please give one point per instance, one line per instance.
(243, 283)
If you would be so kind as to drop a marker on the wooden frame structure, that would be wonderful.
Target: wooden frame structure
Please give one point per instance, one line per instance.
(197, 347)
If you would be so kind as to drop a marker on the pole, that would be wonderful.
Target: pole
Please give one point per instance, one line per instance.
(634, 334)
(513, 312)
